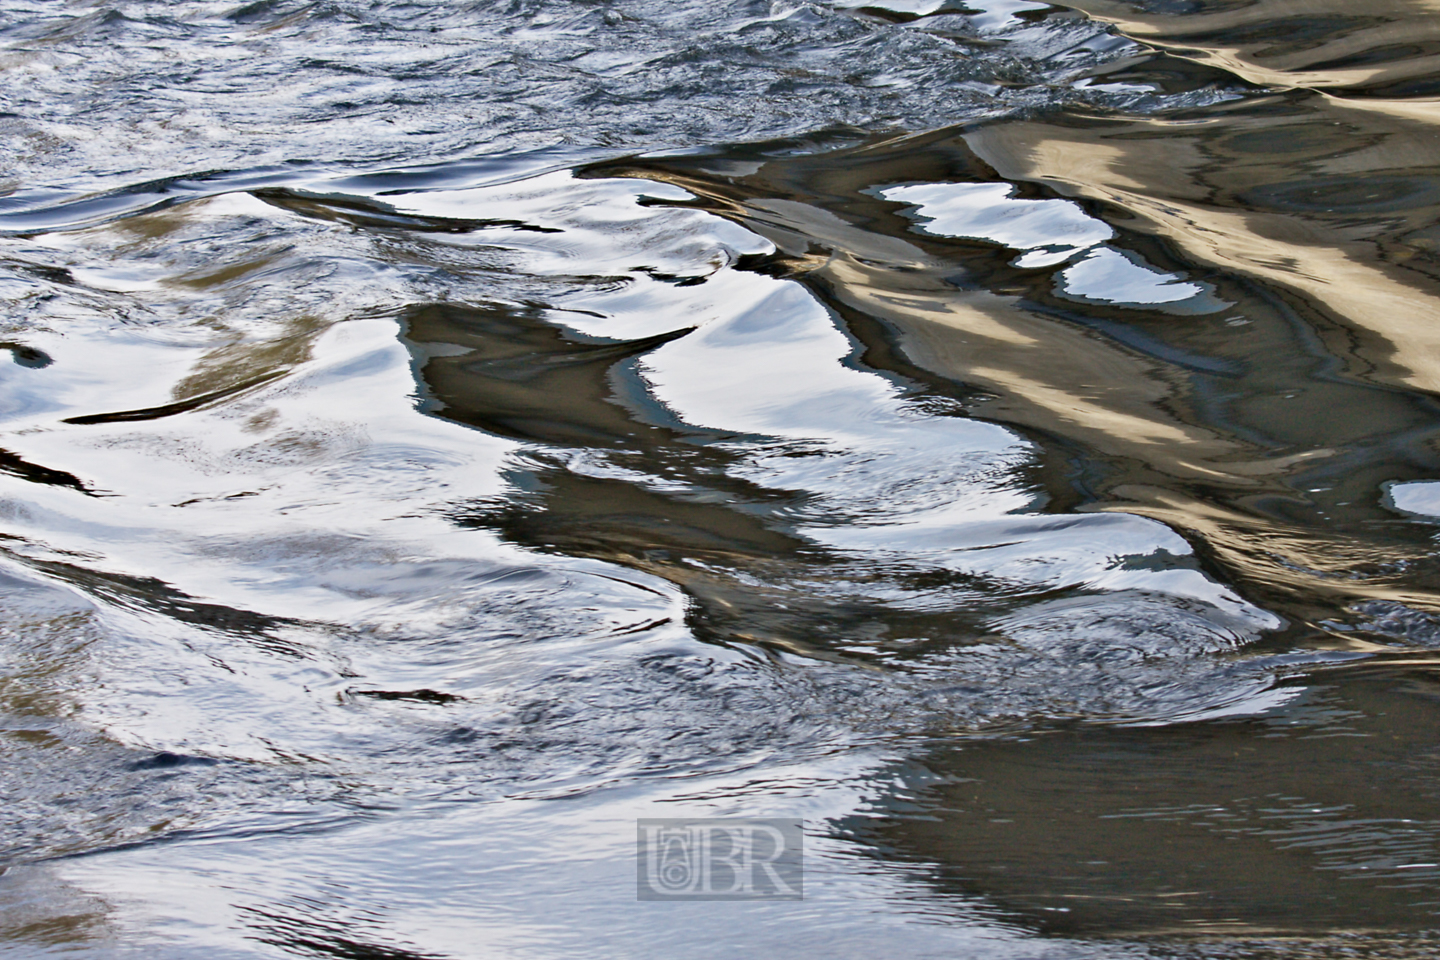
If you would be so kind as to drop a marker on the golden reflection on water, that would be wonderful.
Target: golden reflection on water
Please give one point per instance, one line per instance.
(1328, 201)
(1315, 44)
(1314, 216)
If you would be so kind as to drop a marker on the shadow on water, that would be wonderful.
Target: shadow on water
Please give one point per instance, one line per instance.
(726, 540)
(1315, 819)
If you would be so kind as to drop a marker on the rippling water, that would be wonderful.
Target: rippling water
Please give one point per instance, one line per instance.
(1005, 435)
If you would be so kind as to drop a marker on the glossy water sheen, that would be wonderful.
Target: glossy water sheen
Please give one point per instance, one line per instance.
(1005, 435)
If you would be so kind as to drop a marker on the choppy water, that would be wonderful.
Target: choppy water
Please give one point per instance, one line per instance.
(1005, 435)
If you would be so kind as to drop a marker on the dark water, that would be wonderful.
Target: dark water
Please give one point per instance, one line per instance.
(1005, 435)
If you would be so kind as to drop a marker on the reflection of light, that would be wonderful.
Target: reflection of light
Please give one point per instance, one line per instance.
(921, 8)
(1421, 497)
(1049, 232)
(1109, 275)
(986, 16)
(1052, 230)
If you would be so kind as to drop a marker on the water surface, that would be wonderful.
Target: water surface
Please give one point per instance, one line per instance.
(1003, 434)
